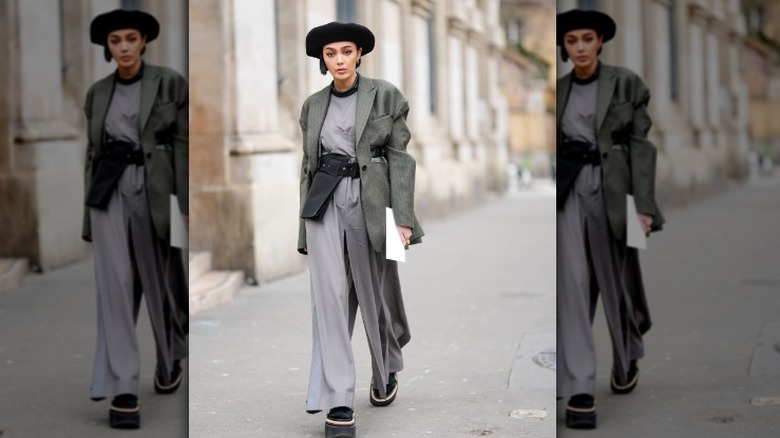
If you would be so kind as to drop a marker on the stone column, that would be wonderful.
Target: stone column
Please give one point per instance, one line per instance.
(215, 209)
(391, 41)
(695, 82)
(628, 42)
(712, 69)
(41, 184)
(419, 96)
(244, 182)
(456, 69)
(317, 13)
(171, 47)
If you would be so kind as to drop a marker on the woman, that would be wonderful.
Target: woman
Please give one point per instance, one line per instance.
(603, 155)
(354, 165)
(137, 157)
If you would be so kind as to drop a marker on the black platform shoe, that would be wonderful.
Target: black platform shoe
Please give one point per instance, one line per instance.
(175, 380)
(125, 412)
(581, 412)
(633, 379)
(340, 423)
(390, 392)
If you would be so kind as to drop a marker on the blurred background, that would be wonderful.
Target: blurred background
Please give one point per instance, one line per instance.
(478, 75)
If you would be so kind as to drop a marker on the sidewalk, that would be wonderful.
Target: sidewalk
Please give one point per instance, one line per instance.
(712, 364)
(47, 345)
(480, 299)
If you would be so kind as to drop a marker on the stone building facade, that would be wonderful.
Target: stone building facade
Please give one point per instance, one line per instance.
(688, 53)
(760, 63)
(250, 76)
(48, 66)
(527, 78)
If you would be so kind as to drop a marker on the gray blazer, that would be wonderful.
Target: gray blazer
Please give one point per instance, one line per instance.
(627, 156)
(381, 120)
(164, 128)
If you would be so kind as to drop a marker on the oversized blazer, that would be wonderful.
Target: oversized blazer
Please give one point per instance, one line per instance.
(164, 134)
(385, 182)
(628, 158)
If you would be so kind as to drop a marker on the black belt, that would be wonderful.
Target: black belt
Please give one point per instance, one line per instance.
(330, 170)
(579, 152)
(116, 156)
(123, 152)
(338, 165)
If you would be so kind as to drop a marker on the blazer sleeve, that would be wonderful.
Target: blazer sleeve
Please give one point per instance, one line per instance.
(86, 228)
(305, 179)
(181, 145)
(642, 152)
(402, 167)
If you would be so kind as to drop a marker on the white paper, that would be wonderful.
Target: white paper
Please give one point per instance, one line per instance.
(179, 235)
(394, 248)
(635, 236)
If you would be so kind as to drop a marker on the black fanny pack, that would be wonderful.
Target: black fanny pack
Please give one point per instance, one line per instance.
(330, 170)
(108, 169)
(572, 155)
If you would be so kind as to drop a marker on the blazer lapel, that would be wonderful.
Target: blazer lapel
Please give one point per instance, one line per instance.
(365, 101)
(149, 85)
(561, 96)
(317, 110)
(607, 79)
(100, 101)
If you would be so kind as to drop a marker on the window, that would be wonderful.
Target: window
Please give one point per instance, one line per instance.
(432, 61)
(587, 4)
(673, 79)
(279, 73)
(345, 10)
(131, 4)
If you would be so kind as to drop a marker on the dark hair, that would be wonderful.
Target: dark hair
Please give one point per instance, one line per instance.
(324, 68)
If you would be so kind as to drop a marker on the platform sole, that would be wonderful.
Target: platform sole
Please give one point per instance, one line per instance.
(580, 420)
(124, 420)
(332, 431)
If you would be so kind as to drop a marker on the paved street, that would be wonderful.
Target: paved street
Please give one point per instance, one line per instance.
(480, 300)
(712, 365)
(47, 345)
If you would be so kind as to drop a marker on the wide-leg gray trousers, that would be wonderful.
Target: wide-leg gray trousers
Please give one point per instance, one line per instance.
(346, 273)
(131, 261)
(590, 261)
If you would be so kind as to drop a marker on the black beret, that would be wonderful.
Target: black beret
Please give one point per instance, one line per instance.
(575, 19)
(335, 31)
(117, 19)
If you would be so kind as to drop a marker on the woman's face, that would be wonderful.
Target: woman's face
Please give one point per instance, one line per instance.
(125, 46)
(582, 46)
(341, 59)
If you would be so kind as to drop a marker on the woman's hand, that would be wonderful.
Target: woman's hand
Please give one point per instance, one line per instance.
(647, 221)
(405, 233)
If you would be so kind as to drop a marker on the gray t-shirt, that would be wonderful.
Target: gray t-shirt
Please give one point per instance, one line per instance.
(122, 117)
(579, 117)
(338, 129)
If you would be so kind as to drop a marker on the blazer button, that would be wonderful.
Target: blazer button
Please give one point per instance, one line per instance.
(148, 155)
(604, 155)
(364, 167)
